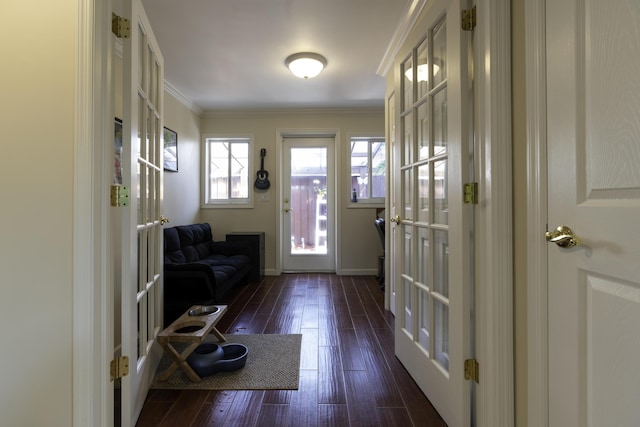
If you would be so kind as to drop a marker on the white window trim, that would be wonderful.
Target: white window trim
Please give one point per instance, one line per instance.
(227, 204)
(378, 202)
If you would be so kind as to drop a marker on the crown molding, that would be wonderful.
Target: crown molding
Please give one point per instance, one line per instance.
(363, 112)
(405, 24)
(183, 99)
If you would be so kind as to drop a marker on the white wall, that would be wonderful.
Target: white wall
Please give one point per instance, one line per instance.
(181, 202)
(360, 242)
(37, 115)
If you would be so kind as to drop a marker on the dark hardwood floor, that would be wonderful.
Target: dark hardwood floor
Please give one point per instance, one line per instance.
(349, 375)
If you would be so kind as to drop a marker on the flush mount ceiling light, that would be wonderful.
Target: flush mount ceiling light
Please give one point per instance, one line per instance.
(423, 72)
(305, 64)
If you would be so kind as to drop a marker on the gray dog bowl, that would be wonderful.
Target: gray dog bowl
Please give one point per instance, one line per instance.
(206, 360)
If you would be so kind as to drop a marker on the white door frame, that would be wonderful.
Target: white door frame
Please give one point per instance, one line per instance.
(322, 132)
(537, 268)
(493, 222)
(92, 291)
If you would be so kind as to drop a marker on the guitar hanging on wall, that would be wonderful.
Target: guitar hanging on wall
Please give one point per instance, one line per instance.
(262, 176)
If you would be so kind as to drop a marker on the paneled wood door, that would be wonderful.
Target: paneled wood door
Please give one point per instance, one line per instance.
(593, 127)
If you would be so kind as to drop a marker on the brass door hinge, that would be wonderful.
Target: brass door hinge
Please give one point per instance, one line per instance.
(470, 192)
(121, 27)
(119, 196)
(469, 19)
(119, 367)
(471, 370)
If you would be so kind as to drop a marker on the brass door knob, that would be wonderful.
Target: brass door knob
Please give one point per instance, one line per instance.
(163, 220)
(396, 219)
(562, 236)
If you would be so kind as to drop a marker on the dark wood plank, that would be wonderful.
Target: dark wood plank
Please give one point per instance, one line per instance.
(330, 376)
(287, 315)
(327, 323)
(309, 349)
(375, 317)
(343, 316)
(395, 417)
(350, 350)
(304, 401)
(212, 414)
(333, 416)
(381, 380)
(310, 315)
(277, 397)
(243, 321)
(361, 402)
(244, 410)
(153, 413)
(353, 298)
(273, 415)
(185, 409)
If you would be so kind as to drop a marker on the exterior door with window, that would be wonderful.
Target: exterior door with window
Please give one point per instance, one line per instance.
(593, 132)
(141, 248)
(308, 204)
(433, 226)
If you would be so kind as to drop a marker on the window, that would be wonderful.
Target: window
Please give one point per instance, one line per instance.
(368, 170)
(226, 172)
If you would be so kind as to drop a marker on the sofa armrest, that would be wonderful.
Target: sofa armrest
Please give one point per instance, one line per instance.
(193, 278)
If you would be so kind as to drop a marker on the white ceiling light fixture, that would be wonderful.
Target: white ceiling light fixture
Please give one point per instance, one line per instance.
(305, 64)
(423, 72)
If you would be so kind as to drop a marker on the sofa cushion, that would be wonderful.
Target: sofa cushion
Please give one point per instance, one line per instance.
(195, 241)
(172, 250)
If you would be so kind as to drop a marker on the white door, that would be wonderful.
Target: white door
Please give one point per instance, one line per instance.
(308, 204)
(393, 251)
(593, 122)
(433, 303)
(141, 249)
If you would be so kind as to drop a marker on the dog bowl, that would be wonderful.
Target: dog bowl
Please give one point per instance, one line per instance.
(187, 327)
(203, 310)
(204, 356)
(234, 357)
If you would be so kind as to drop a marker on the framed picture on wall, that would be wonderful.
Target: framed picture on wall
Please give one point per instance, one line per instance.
(170, 139)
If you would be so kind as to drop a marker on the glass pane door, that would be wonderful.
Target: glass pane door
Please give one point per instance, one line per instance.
(307, 205)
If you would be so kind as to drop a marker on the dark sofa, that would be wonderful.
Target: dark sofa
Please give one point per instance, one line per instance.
(198, 270)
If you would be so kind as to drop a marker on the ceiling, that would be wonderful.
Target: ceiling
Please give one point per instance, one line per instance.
(229, 54)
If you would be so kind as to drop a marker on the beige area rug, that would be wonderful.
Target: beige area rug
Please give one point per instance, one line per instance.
(273, 363)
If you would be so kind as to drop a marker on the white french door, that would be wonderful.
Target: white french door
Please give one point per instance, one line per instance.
(141, 248)
(393, 254)
(593, 88)
(433, 226)
(308, 204)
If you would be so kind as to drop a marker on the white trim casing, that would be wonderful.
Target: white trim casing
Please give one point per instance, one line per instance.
(92, 297)
(536, 122)
(493, 224)
(404, 27)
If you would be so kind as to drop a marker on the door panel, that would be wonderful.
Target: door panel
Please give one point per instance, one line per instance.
(433, 330)
(308, 204)
(593, 157)
(141, 249)
(393, 252)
